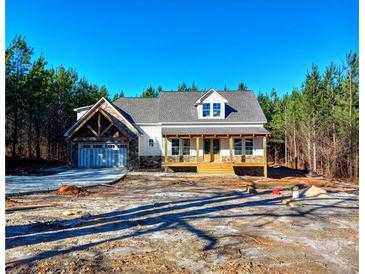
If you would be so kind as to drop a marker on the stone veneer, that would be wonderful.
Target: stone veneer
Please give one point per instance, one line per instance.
(244, 158)
(181, 159)
(153, 162)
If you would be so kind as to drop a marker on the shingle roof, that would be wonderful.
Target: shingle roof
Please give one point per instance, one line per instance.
(175, 106)
(179, 107)
(139, 110)
(215, 130)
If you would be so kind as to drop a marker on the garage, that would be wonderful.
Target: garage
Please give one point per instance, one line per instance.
(92, 155)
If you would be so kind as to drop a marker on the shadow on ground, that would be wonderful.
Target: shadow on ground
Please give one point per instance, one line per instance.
(151, 218)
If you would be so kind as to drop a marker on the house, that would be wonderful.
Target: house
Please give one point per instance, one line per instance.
(207, 132)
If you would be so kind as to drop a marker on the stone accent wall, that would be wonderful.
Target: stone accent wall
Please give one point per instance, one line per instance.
(72, 154)
(244, 158)
(150, 162)
(182, 159)
(133, 159)
(254, 159)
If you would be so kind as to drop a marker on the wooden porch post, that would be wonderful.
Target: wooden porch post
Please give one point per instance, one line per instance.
(165, 159)
(230, 148)
(265, 156)
(197, 149)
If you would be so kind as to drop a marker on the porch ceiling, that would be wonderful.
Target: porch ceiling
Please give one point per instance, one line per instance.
(215, 131)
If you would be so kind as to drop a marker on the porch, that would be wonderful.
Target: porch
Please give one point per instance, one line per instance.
(215, 153)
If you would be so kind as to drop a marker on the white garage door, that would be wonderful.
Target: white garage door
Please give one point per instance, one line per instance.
(102, 155)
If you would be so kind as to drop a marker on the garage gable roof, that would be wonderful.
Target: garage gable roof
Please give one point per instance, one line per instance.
(92, 111)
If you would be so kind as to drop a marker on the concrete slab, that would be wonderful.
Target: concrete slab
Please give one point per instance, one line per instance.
(78, 177)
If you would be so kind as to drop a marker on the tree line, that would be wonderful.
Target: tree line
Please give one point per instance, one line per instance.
(316, 127)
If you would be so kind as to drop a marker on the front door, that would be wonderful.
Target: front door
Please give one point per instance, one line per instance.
(212, 150)
(207, 150)
(216, 150)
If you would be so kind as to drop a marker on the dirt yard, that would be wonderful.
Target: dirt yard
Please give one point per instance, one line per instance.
(154, 223)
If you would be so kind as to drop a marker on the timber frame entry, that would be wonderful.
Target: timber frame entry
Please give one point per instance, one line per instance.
(214, 166)
(102, 124)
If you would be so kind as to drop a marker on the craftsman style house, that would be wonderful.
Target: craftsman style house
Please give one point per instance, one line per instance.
(208, 132)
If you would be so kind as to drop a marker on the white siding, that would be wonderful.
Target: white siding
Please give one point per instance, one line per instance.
(225, 147)
(212, 98)
(258, 146)
(154, 133)
(80, 113)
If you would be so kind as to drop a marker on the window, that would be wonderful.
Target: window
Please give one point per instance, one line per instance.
(237, 146)
(175, 147)
(186, 147)
(150, 142)
(216, 109)
(206, 110)
(249, 146)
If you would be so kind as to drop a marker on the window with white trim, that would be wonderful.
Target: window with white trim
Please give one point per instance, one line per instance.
(216, 109)
(249, 146)
(206, 110)
(185, 146)
(175, 147)
(237, 146)
(150, 142)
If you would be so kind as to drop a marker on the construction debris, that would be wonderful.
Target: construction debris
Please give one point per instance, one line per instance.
(72, 190)
(10, 202)
(73, 213)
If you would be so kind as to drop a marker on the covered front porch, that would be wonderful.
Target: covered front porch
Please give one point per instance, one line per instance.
(215, 153)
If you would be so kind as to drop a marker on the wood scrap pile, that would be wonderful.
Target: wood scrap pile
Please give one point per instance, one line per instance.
(72, 190)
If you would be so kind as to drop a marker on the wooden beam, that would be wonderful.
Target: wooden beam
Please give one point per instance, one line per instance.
(197, 149)
(99, 124)
(105, 130)
(83, 122)
(265, 156)
(98, 139)
(92, 131)
(165, 154)
(230, 148)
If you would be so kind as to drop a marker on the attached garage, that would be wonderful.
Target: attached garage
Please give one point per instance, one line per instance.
(103, 137)
(102, 155)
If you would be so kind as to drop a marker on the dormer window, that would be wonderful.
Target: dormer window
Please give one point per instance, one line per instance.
(216, 109)
(211, 105)
(206, 110)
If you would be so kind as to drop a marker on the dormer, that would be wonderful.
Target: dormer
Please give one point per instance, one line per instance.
(211, 105)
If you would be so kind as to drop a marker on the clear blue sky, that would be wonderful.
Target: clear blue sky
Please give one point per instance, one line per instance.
(130, 45)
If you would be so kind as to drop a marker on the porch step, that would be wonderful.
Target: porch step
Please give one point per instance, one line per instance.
(215, 168)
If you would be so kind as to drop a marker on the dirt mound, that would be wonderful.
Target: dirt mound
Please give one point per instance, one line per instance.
(10, 202)
(72, 190)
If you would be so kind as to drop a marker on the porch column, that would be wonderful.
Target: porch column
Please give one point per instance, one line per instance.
(265, 156)
(230, 148)
(165, 159)
(197, 149)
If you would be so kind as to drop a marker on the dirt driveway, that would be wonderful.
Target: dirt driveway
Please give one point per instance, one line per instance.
(168, 224)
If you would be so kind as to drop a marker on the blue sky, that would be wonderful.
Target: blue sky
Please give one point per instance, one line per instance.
(130, 45)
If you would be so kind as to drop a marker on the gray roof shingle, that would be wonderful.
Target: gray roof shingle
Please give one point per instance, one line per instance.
(175, 106)
(242, 106)
(139, 110)
(215, 130)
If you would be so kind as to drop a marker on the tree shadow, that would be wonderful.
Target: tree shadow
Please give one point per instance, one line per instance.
(148, 219)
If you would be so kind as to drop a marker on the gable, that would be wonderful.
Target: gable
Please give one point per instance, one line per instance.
(103, 108)
(211, 95)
